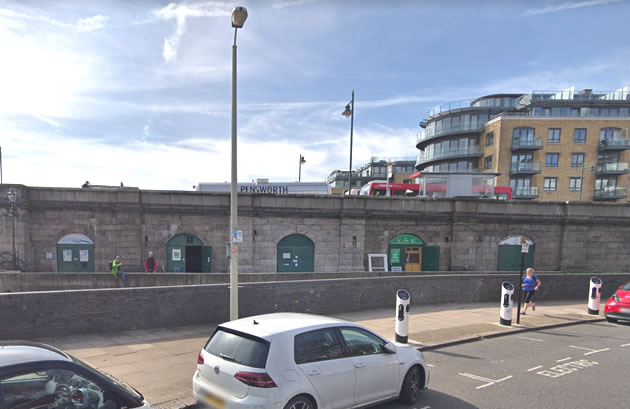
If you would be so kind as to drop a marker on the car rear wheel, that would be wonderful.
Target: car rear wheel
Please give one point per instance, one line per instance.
(300, 402)
(411, 386)
(611, 319)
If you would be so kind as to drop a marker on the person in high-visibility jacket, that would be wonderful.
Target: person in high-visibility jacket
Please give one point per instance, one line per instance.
(117, 266)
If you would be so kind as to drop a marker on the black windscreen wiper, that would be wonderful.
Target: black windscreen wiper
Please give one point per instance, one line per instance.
(227, 357)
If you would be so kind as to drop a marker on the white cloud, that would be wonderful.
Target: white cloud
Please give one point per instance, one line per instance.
(91, 23)
(180, 12)
(569, 5)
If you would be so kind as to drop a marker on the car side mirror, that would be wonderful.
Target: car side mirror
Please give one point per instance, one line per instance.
(390, 348)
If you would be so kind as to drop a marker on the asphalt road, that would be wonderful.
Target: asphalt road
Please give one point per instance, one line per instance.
(582, 366)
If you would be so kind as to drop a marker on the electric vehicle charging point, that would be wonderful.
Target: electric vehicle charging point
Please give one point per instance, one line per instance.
(507, 302)
(594, 295)
(402, 316)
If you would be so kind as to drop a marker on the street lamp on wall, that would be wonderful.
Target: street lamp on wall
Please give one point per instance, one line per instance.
(349, 112)
(12, 195)
(591, 169)
(302, 161)
(239, 15)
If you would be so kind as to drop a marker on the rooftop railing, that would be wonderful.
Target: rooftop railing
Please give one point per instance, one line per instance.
(586, 95)
(450, 106)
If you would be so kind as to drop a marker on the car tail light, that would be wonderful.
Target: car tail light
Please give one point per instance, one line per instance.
(257, 379)
(200, 358)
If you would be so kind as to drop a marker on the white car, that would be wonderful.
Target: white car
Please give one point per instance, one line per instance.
(301, 361)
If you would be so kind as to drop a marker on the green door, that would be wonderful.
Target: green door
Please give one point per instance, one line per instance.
(397, 250)
(296, 254)
(206, 262)
(510, 257)
(176, 255)
(75, 254)
(431, 258)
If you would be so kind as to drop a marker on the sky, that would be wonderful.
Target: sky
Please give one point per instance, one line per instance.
(140, 92)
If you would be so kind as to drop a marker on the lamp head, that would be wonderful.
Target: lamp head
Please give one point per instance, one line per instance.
(348, 112)
(302, 160)
(12, 194)
(239, 15)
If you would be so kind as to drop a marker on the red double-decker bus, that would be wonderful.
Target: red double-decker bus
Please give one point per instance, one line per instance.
(379, 188)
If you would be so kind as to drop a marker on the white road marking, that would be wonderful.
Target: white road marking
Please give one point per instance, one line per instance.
(488, 380)
(534, 368)
(598, 350)
(569, 367)
(586, 349)
(562, 360)
(532, 339)
(431, 367)
(625, 345)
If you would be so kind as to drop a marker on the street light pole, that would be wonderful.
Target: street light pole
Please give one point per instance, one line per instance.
(581, 182)
(12, 194)
(239, 15)
(302, 161)
(349, 112)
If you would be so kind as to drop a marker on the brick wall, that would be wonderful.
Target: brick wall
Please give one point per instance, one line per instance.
(53, 313)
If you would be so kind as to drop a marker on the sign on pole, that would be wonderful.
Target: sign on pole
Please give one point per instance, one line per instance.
(237, 236)
(525, 247)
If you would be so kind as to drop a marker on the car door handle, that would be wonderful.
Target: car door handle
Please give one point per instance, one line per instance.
(359, 365)
(314, 372)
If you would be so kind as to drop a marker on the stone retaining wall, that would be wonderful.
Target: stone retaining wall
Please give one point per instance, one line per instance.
(54, 313)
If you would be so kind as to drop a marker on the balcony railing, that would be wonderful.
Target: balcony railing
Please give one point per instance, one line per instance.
(525, 167)
(525, 192)
(610, 193)
(432, 133)
(448, 153)
(616, 168)
(614, 143)
(527, 143)
(450, 106)
(586, 95)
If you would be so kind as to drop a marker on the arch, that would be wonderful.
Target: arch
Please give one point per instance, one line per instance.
(509, 253)
(75, 254)
(296, 254)
(75, 238)
(408, 252)
(186, 253)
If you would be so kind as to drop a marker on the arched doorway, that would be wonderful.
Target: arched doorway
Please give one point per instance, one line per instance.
(296, 254)
(75, 254)
(405, 253)
(185, 253)
(509, 258)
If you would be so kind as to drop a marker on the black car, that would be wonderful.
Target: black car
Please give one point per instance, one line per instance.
(38, 376)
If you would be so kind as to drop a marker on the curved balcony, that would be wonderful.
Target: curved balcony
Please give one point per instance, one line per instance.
(527, 143)
(452, 106)
(427, 135)
(469, 152)
(612, 168)
(525, 168)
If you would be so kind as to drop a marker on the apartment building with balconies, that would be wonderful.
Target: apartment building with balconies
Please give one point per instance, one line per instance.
(546, 145)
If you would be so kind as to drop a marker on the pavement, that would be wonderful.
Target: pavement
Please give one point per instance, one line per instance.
(160, 362)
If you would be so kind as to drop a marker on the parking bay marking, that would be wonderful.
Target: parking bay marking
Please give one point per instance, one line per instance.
(534, 368)
(592, 351)
(532, 339)
(564, 359)
(487, 380)
(625, 345)
(567, 368)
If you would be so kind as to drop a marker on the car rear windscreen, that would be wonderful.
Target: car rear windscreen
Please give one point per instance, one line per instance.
(244, 350)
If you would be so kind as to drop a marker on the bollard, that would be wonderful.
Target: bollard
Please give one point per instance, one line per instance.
(507, 292)
(594, 295)
(402, 316)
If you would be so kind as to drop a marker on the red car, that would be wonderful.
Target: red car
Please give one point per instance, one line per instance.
(618, 305)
